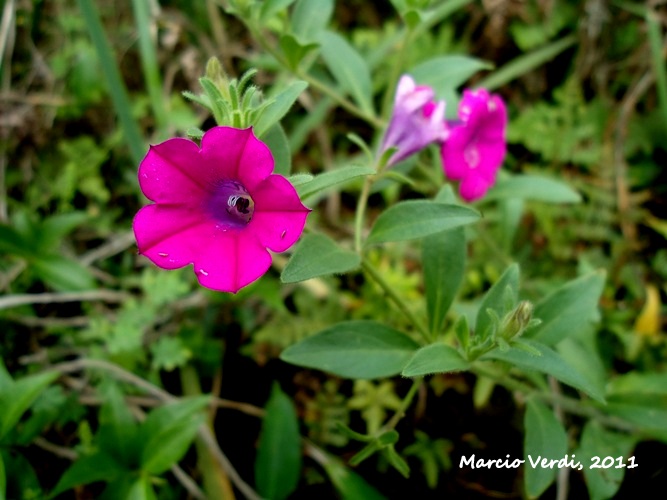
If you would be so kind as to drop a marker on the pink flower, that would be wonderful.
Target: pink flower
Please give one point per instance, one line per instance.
(416, 122)
(476, 146)
(218, 207)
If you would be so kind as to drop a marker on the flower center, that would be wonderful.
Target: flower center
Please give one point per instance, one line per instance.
(232, 205)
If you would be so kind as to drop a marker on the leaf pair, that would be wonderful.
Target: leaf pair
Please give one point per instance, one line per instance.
(159, 442)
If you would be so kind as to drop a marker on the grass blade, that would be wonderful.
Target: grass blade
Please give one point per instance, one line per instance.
(117, 89)
(149, 64)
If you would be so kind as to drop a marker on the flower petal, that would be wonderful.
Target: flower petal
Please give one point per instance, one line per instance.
(238, 155)
(474, 187)
(279, 215)
(224, 260)
(452, 153)
(172, 172)
(232, 261)
(172, 235)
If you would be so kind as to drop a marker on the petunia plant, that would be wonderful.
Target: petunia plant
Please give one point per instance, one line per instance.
(218, 206)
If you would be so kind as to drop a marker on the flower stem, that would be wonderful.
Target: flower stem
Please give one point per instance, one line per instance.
(405, 404)
(361, 212)
(396, 299)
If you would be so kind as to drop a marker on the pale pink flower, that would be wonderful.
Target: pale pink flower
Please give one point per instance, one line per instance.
(218, 207)
(476, 146)
(417, 120)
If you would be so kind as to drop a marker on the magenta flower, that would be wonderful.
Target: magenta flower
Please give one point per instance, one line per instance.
(416, 122)
(218, 207)
(476, 146)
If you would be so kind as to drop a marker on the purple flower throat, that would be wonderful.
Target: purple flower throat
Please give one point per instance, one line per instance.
(231, 205)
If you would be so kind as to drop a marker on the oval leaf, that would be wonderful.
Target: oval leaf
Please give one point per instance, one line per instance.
(596, 441)
(435, 358)
(277, 142)
(550, 362)
(279, 107)
(168, 431)
(546, 438)
(318, 255)
(354, 349)
(348, 68)
(533, 187)
(278, 463)
(568, 310)
(350, 485)
(18, 396)
(443, 260)
(310, 17)
(413, 219)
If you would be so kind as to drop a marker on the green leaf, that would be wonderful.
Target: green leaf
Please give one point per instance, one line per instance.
(62, 273)
(585, 356)
(214, 97)
(329, 179)
(278, 463)
(646, 411)
(348, 68)
(397, 461)
(435, 358)
(167, 433)
(366, 452)
(169, 353)
(110, 74)
(551, 363)
(354, 349)
(349, 485)
(271, 7)
(119, 487)
(568, 310)
(277, 142)
(17, 397)
(89, 469)
(142, 489)
(598, 442)
(310, 18)
(639, 383)
(495, 300)
(12, 242)
(533, 187)
(294, 50)
(446, 73)
(299, 179)
(54, 228)
(279, 106)
(414, 219)
(443, 261)
(546, 438)
(21, 478)
(318, 255)
(118, 429)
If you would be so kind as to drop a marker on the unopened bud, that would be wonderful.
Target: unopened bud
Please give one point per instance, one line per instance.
(517, 320)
